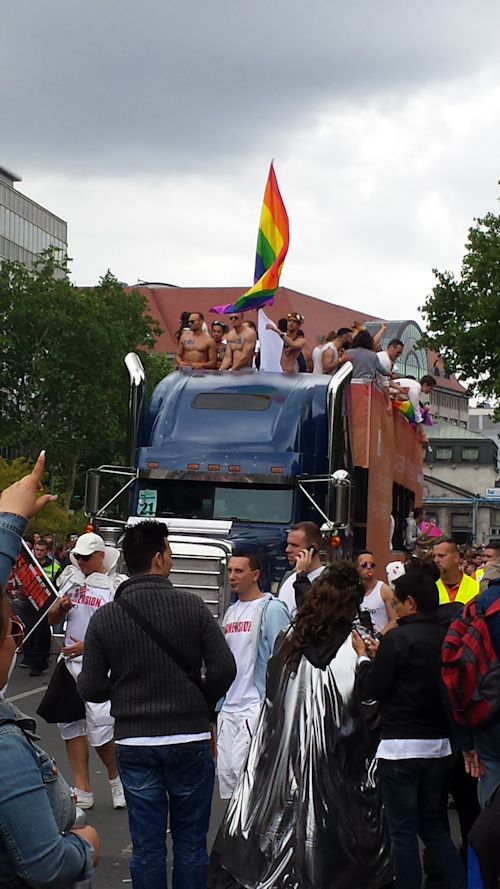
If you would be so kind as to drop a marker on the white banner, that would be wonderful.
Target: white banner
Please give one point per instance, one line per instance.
(271, 346)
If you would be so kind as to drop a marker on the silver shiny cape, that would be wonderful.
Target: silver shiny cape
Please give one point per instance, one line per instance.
(306, 812)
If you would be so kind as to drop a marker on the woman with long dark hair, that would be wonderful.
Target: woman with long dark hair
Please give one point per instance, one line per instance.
(365, 361)
(306, 812)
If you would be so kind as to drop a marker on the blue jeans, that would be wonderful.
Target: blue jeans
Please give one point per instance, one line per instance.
(180, 776)
(487, 744)
(411, 790)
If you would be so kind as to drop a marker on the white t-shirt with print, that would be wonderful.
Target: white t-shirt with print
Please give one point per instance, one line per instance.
(287, 591)
(243, 692)
(87, 596)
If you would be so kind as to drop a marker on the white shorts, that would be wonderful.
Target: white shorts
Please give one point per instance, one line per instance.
(98, 725)
(234, 733)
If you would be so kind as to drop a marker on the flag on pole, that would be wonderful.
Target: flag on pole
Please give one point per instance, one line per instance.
(272, 247)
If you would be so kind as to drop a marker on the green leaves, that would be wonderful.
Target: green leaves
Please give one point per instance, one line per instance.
(63, 384)
(463, 315)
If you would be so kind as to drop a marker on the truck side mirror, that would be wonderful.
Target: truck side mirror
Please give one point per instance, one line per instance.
(341, 490)
(92, 492)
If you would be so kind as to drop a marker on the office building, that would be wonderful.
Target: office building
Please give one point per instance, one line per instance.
(26, 228)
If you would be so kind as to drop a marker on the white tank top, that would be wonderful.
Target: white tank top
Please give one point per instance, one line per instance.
(375, 605)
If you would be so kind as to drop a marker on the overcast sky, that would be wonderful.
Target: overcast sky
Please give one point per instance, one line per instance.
(149, 126)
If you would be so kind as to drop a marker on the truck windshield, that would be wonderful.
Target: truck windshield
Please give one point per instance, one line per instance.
(207, 500)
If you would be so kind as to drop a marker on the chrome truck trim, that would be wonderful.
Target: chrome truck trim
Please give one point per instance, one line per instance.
(187, 526)
(200, 566)
(196, 475)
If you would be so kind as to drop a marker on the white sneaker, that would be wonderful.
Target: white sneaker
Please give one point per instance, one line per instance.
(83, 798)
(117, 794)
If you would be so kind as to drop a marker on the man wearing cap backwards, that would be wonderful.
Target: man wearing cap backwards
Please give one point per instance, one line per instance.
(240, 344)
(293, 343)
(84, 586)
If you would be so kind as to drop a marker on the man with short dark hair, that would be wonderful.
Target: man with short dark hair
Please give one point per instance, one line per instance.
(414, 390)
(251, 626)
(293, 341)
(334, 349)
(196, 348)
(219, 331)
(302, 550)
(146, 657)
(241, 341)
(42, 555)
(378, 596)
(414, 751)
(491, 564)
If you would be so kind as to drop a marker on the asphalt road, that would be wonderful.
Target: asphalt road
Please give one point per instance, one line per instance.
(111, 824)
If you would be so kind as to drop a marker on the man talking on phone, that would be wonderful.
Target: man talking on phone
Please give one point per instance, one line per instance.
(303, 546)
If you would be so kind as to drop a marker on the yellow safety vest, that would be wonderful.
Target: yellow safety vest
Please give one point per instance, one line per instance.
(467, 590)
(478, 574)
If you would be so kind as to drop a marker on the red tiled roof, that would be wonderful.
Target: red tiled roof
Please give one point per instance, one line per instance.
(167, 303)
(443, 382)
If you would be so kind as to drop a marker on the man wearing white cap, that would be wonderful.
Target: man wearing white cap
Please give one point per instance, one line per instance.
(85, 585)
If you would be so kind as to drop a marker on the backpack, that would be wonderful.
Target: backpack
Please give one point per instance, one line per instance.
(470, 665)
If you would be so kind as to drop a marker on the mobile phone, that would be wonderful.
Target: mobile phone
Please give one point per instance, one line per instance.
(313, 549)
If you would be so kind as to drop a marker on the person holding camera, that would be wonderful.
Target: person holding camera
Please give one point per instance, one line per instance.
(250, 626)
(302, 550)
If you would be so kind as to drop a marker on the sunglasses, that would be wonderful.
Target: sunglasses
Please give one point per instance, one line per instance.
(192, 322)
(234, 317)
(367, 564)
(80, 558)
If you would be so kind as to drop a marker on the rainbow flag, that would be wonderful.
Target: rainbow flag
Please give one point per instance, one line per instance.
(272, 247)
(406, 408)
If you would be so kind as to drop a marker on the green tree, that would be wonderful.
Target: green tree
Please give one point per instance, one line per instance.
(63, 384)
(463, 315)
(53, 517)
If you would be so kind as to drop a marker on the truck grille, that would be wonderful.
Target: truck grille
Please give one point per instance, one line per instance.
(201, 567)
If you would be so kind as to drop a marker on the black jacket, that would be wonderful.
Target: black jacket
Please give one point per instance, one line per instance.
(405, 678)
(150, 693)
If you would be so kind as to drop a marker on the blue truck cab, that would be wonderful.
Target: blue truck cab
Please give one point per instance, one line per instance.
(229, 461)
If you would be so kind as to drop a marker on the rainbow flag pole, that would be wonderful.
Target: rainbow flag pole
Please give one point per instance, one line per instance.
(272, 246)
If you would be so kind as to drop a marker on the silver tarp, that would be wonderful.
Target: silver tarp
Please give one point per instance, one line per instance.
(306, 812)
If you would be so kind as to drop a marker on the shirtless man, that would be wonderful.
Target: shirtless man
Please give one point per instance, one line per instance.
(196, 349)
(293, 343)
(240, 344)
(219, 330)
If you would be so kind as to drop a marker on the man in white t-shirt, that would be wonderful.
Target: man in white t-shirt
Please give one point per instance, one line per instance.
(414, 389)
(85, 586)
(303, 542)
(250, 626)
(378, 595)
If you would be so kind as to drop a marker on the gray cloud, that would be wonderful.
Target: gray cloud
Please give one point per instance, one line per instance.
(116, 86)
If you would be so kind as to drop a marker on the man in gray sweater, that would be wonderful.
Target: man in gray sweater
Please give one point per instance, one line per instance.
(160, 705)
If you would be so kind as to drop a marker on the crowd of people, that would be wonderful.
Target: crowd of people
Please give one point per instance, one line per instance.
(238, 347)
(338, 736)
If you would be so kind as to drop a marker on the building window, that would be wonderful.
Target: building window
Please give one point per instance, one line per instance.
(461, 521)
(470, 454)
(444, 453)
